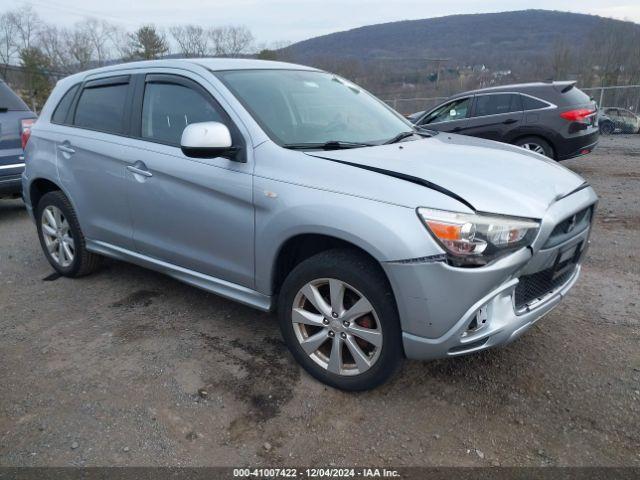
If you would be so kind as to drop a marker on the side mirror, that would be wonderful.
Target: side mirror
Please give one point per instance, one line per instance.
(207, 140)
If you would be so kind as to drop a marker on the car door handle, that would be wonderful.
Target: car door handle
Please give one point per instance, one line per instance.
(510, 121)
(457, 129)
(66, 149)
(139, 171)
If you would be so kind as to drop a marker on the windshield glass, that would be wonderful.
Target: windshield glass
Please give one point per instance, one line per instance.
(306, 107)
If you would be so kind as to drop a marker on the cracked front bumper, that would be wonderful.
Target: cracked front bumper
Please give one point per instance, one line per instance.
(448, 311)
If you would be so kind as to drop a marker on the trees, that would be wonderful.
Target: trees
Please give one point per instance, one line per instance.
(35, 65)
(230, 40)
(147, 43)
(192, 40)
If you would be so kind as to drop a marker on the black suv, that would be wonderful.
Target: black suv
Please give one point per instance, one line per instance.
(15, 125)
(555, 119)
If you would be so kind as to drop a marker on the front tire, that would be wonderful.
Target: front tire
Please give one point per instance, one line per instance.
(338, 316)
(60, 236)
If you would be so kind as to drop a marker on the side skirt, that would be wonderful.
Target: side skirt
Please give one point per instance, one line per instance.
(205, 282)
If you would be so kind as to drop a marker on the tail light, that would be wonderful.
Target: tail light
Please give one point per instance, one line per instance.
(578, 114)
(26, 125)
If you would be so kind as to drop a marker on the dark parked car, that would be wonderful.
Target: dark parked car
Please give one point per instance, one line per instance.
(555, 119)
(15, 124)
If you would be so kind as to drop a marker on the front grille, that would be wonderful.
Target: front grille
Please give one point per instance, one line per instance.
(570, 227)
(537, 285)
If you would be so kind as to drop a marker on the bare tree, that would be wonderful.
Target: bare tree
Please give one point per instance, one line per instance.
(561, 60)
(229, 41)
(192, 40)
(79, 48)
(102, 37)
(27, 24)
(8, 44)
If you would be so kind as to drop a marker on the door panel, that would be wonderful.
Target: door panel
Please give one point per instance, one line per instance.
(194, 213)
(92, 167)
(197, 214)
(495, 116)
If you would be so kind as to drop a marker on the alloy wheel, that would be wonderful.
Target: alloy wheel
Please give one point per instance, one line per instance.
(534, 147)
(337, 326)
(57, 236)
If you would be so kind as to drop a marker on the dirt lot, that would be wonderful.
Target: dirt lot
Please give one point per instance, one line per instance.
(106, 370)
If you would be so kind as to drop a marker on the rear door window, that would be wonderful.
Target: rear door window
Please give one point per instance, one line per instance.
(102, 108)
(497, 104)
(62, 110)
(9, 100)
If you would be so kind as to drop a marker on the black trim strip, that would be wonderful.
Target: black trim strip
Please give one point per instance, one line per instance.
(402, 176)
(565, 195)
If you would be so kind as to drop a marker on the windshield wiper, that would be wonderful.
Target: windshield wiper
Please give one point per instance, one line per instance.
(330, 145)
(401, 136)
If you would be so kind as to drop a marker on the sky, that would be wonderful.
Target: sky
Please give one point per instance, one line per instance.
(273, 21)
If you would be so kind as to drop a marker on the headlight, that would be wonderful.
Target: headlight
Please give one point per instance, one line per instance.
(476, 239)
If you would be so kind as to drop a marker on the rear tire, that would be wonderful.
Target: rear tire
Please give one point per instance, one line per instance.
(536, 144)
(342, 284)
(61, 239)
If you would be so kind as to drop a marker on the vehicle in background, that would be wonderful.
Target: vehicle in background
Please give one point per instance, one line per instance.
(605, 124)
(618, 120)
(555, 119)
(413, 117)
(284, 187)
(15, 123)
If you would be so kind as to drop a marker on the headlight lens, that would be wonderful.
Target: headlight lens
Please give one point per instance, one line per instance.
(476, 239)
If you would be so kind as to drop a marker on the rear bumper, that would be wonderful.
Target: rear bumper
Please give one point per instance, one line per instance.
(10, 185)
(576, 146)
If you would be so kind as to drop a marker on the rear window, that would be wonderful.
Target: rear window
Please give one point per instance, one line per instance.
(497, 104)
(9, 100)
(575, 96)
(61, 111)
(102, 108)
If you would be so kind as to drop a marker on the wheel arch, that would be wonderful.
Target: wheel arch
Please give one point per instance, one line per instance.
(302, 246)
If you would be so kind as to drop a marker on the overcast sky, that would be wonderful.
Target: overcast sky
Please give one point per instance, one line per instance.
(293, 20)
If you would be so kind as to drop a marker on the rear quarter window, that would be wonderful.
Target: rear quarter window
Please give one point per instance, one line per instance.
(9, 100)
(530, 103)
(102, 108)
(62, 110)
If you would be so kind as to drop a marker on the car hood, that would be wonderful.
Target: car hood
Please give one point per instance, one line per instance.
(489, 176)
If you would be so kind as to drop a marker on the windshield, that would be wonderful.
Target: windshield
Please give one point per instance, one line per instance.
(298, 107)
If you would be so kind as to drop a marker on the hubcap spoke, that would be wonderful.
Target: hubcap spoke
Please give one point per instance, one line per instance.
(307, 318)
(314, 342)
(326, 315)
(52, 245)
(50, 218)
(362, 361)
(312, 294)
(367, 334)
(335, 358)
(336, 291)
(49, 230)
(360, 308)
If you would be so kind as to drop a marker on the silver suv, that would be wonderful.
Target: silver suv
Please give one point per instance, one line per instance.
(285, 187)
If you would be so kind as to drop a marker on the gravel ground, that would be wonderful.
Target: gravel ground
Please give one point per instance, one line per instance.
(128, 367)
